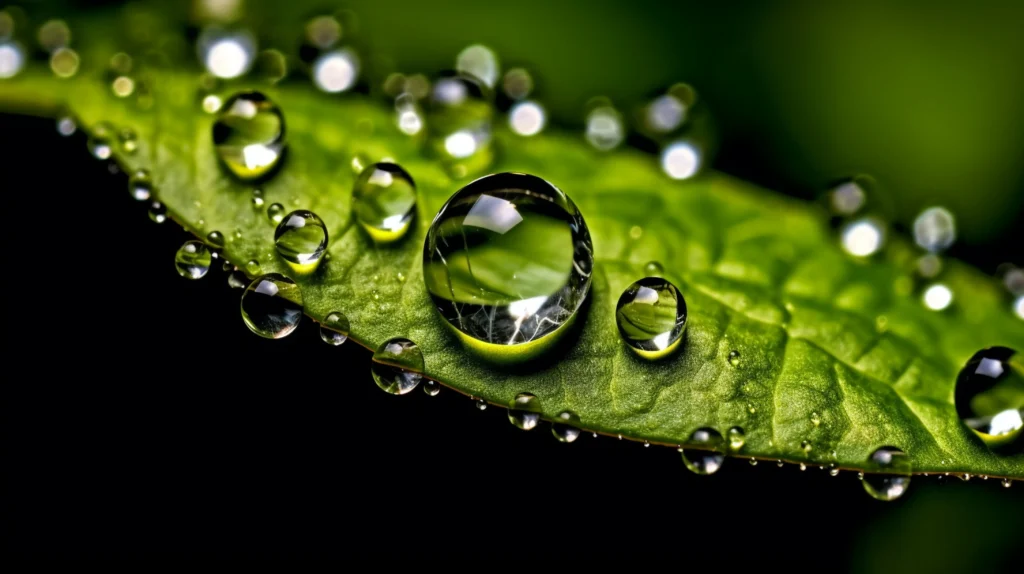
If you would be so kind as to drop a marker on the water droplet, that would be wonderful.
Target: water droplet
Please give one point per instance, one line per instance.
(192, 260)
(249, 135)
(779, 463)
(122, 86)
(517, 83)
(989, 397)
(527, 118)
(140, 186)
(99, 141)
(398, 366)
(216, 239)
(226, 54)
(12, 59)
(157, 212)
(851, 196)
(860, 476)
(892, 476)
(252, 267)
(737, 438)
(651, 317)
(408, 115)
(237, 280)
(605, 128)
(667, 112)
(275, 213)
(594, 435)
(384, 201)
(966, 477)
(480, 62)
(566, 427)
(806, 446)
(212, 103)
(653, 268)
(257, 199)
(129, 140)
(681, 159)
(272, 306)
(301, 239)
(336, 71)
(734, 358)
(524, 411)
(66, 125)
(815, 419)
(64, 62)
(708, 461)
(481, 405)
(432, 388)
(937, 297)
(508, 261)
(1007, 483)
(334, 329)
(833, 470)
(935, 229)
(459, 115)
(753, 462)
(863, 237)
(647, 444)
(751, 408)
(321, 33)
(803, 466)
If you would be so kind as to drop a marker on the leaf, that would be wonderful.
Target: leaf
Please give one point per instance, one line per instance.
(820, 337)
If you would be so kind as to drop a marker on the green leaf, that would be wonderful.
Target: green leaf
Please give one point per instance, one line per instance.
(821, 337)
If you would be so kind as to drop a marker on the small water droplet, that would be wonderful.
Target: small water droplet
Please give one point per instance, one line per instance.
(937, 297)
(682, 159)
(215, 239)
(527, 118)
(336, 71)
(140, 186)
(64, 62)
(737, 438)
(863, 237)
(806, 446)
(237, 280)
(400, 277)
(193, 260)
(252, 267)
(257, 199)
(1007, 483)
(636, 232)
(12, 58)
(275, 213)
(524, 411)
(860, 476)
(481, 405)
(833, 470)
(935, 229)
(751, 408)
(605, 128)
(398, 366)
(459, 116)
(384, 201)
(594, 435)
(479, 61)
(66, 125)
(157, 212)
(653, 268)
(566, 427)
(432, 388)
(301, 239)
(226, 53)
(988, 397)
(99, 141)
(893, 474)
(272, 306)
(851, 196)
(779, 463)
(966, 477)
(249, 135)
(129, 140)
(709, 458)
(651, 317)
(815, 419)
(517, 83)
(753, 462)
(734, 358)
(480, 225)
(334, 329)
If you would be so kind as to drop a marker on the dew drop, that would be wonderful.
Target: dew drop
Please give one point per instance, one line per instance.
(226, 54)
(301, 239)
(384, 201)
(806, 446)
(193, 260)
(667, 112)
(12, 58)
(851, 196)
(64, 62)
(524, 411)
(237, 280)
(459, 117)
(737, 438)
(215, 239)
(157, 212)
(753, 462)
(681, 159)
(527, 118)
(863, 237)
(272, 306)
(481, 405)
(937, 297)
(252, 267)
(397, 366)
(803, 466)
(466, 263)
(99, 141)
(1007, 483)
(257, 199)
(66, 125)
(140, 187)
(517, 83)
(249, 135)
(129, 140)
(779, 463)
(336, 71)
(860, 476)
(334, 329)
(989, 397)
(734, 358)
(708, 458)
(605, 128)
(751, 408)
(833, 470)
(892, 476)
(432, 388)
(935, 229)
(654, 269)
(651, 317)
(815, 419)
(566, 427)
(480, 62)
(275, 213)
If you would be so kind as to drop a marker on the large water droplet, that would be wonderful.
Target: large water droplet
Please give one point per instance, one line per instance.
(193, 260)
(989, 397)
(384, 201)
(459, 116)
(709, 458)
(737, 438)
(935, 229)
(249, 135)
(272, 306)
(140, 186)
(651, 316)
(397, 366)
(507, 262)
(301, 239)
(566, 427)
(524, 411)
(334, 329)
(891, 475)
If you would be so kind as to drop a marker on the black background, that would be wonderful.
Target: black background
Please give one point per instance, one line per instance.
(141, 416)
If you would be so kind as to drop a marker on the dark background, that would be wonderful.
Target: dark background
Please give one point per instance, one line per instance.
(140, 416)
